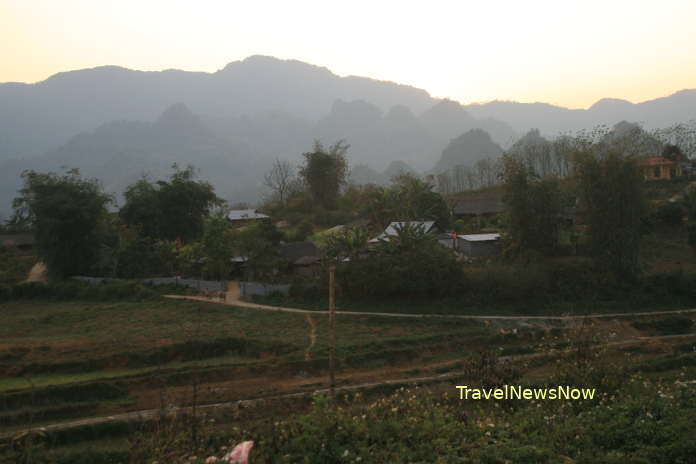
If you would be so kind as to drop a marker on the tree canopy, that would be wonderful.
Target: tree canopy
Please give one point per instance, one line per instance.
(611, 193)
(534, 207)
(325, 171)
(66, 211)
(174, 209)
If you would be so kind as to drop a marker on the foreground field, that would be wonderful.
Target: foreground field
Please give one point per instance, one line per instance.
(63, 361)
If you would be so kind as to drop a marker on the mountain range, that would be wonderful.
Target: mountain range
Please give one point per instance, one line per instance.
(117, 124)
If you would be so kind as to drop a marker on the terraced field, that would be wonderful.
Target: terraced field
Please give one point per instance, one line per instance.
(64, 361)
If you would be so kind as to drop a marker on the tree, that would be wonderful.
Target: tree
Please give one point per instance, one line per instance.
(280, 179)
(534, 207)
(673, 152)
(141, 208)
(611, 190)
(690, 203)
(170, 210)
(258, 243)
(325, 172)
(217, 246)
(347, 243)
(415, 200)
(410, 264)
(67, 212)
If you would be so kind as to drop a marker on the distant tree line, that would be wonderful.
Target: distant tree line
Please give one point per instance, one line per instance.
(555, 157)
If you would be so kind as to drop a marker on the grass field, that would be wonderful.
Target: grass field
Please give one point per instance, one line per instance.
(62, 342)
(67, 360)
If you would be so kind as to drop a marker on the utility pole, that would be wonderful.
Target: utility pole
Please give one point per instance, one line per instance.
(332, 331)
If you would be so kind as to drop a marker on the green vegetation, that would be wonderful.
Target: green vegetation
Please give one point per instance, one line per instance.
(169, 210)
(630, 425)
(13, 268)
(534, 208)
(611, 187)
(52, 337)
(68, 214)
(73, 289)
(72, 350)
(325, 172)
(410, 264)
(666, 326)
(630, 418)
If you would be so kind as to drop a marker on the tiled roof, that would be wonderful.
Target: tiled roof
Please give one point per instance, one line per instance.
(479, 204)
(655, 161)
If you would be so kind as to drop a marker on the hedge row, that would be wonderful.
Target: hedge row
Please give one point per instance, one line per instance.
(72, 290)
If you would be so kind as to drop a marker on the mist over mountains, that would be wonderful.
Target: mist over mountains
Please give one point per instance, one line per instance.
(117, 124)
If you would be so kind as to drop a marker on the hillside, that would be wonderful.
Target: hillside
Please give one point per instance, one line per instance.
(551, 120)
(37, 117)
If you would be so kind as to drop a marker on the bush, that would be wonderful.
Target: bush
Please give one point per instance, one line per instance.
(671, 284)
(669, 213)
(429, 271)
(5, 292)
(13, 267)
(666, 326)
(632, 424)
(72, 289)
(692, 233)
(304, 290)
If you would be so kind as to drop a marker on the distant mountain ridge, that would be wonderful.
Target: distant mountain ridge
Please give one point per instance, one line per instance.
(116, 124)
(552, 120)
(37, 117)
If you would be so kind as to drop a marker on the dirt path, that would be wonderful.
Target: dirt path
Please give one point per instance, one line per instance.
(246, 403)
(312, 336)
(146, 414)
(232, 293)
(37, 273)
(247, 304)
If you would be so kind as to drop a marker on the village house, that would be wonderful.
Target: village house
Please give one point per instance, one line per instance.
(478, 245)
(240, 217)
(658, 168)
(479, 204)
(303, 258)
(24, 243)
(427, 227)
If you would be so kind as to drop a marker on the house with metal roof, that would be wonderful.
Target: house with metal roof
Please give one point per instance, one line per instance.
(427, 227)
(478, 245)
(242, 216)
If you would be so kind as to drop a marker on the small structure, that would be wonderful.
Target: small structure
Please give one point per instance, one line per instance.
(481, 204)
(245, 216)
(478, 245)
(24, 243)
(303, 257)
(427, 227)
(658, 168)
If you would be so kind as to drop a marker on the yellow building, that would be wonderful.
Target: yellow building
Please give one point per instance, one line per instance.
(658, 168)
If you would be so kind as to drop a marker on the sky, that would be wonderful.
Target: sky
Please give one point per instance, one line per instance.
(569, 53)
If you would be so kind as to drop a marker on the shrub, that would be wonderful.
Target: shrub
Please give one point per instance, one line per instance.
(669, 213)
(667, 326)
(5, 292)
(305, 290)
(430, 271)
(72, 289)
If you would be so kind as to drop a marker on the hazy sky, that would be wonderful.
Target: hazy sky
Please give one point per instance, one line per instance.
(559, 51)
